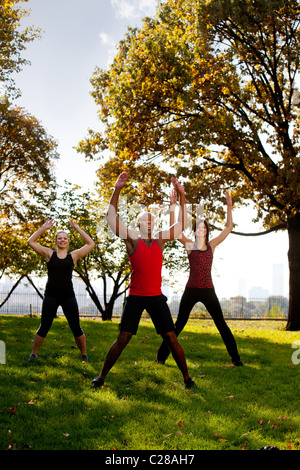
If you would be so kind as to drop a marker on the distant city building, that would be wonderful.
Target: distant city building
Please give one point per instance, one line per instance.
(258, 293)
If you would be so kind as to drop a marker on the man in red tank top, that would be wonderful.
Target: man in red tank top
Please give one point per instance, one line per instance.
(145, 255)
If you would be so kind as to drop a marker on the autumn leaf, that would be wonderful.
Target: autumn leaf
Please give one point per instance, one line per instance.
(12, 411)
(223, 440)
(11, 445)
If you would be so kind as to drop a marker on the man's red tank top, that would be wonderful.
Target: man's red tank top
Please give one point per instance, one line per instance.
(146, 264)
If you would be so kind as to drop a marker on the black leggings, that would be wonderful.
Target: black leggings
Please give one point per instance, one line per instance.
(70, 309)
(208, 297)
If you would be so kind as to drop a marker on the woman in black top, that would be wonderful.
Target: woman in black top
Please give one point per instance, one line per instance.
(59, 287)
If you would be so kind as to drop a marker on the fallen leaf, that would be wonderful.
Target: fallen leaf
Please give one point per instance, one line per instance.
(223, 440)
(11, 445)
(230, 397)
(66, 434)
(12, 411)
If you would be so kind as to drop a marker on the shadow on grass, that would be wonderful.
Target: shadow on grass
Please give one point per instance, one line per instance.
(50, 404)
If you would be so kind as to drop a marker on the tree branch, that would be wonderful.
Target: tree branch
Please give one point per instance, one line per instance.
(257, 234)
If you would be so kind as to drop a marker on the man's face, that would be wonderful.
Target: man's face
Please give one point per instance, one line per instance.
(145, 223)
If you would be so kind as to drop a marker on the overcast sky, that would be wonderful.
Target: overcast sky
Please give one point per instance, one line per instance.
(77, 37)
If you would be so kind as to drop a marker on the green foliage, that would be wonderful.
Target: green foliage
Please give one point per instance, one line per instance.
(205, 90)
(108, 259)
(13, 41)
(27, 155)
(50, 405)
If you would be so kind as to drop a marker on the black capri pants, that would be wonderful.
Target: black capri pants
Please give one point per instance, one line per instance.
(71, 312)
(208, 297)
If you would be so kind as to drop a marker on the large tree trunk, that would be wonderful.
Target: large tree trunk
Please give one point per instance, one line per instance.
(293, 323)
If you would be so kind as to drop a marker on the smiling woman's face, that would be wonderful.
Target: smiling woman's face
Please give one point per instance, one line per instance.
(201, 230)
(62, 240)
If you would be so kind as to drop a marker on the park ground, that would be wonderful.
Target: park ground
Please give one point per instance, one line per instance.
(50, 404)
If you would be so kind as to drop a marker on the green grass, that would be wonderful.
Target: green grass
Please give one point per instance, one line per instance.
(50, 404)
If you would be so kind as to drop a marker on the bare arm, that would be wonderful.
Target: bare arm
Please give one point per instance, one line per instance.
(173, 199)
(84, 250)
(117, 226)
(177, 228)
(229, 225)
(32, 241)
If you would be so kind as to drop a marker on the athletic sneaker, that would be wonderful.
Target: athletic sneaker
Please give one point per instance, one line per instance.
(32, 357)
(237, 363)
(97, 382)
(189, 383)
(84, 357)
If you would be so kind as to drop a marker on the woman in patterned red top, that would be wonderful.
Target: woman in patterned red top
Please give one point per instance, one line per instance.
(199, 287)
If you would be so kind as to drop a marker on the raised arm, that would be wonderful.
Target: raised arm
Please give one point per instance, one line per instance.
(228, 227)
(114, 222)
(84, 250)
(177, 228)
(32, 241)
(173, 199)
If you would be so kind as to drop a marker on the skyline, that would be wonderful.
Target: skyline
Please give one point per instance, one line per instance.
(55, 89)
(248, 292)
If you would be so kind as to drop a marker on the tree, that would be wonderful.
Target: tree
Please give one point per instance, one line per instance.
(13, 41)
(107, 261)
(206, 90)
(27, 155)
(18, 261)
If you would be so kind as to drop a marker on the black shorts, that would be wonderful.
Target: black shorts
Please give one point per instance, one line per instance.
(157, 308)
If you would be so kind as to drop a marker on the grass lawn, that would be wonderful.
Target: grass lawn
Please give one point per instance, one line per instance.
(50, 405)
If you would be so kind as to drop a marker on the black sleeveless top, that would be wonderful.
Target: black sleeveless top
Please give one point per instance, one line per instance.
(59, 283)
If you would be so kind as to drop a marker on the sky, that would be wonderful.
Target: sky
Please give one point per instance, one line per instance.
(78, 36)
